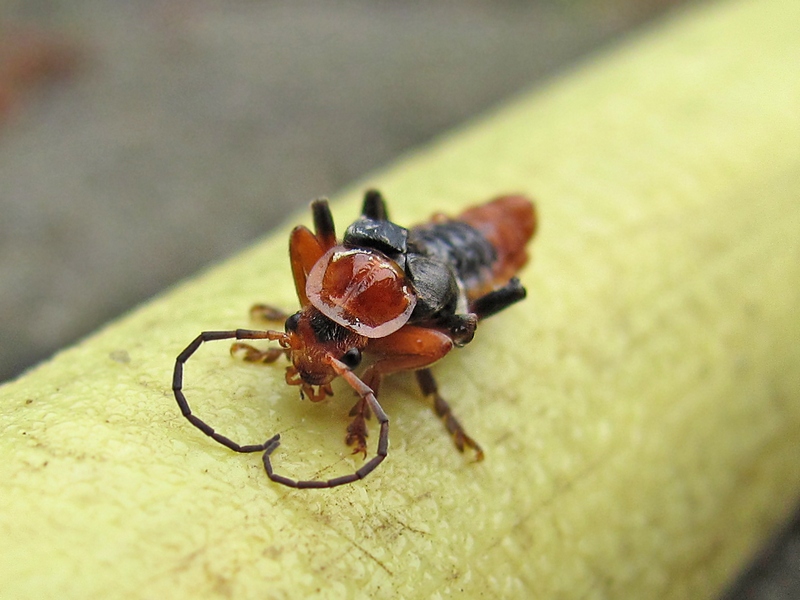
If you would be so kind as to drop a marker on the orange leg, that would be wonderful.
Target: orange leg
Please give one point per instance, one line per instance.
(254, 355)
(460, 438)
(416, 348)
(367, 395)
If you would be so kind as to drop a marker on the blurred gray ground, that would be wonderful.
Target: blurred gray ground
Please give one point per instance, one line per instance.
(190, 127)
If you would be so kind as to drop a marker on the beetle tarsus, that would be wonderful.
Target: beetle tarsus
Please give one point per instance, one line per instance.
(252, 354)
(357, 430)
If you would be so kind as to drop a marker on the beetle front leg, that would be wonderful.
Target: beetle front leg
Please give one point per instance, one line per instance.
(407, 349)
(252, 354)
(368, 396)
(266, 313)
(414, 348)
(357, 430)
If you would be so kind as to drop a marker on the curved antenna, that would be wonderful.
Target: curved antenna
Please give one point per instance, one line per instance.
(177, 382)
(268, 447)
(366, 393)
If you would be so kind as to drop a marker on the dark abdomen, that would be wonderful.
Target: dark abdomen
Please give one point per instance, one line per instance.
(484, 245)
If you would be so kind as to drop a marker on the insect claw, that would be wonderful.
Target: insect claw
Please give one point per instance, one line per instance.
(360, 449)
(314, 396)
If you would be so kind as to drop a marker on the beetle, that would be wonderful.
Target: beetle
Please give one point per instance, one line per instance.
(404, 296)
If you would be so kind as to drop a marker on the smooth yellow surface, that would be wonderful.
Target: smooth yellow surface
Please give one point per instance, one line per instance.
(640, 411)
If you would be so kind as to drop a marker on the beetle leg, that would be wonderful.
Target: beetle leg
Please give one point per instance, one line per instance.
(460, 328)
(427, 384)
(367, 395)
(415, 348)
(498, 299)
(254, 355)
(267, 313)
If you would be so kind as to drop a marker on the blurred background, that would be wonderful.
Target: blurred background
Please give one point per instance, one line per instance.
(142, 139)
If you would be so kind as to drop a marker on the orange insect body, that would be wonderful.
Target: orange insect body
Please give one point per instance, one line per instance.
(405, 296)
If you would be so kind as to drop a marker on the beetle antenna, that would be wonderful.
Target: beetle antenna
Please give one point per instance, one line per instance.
(177, 381)
(366, 393)
(268, 447)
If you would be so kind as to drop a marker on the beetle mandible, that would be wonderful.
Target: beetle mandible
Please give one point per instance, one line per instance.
(405, 296)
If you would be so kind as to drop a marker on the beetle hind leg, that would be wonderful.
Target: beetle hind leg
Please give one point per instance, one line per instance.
(427, 385)
(499, 299)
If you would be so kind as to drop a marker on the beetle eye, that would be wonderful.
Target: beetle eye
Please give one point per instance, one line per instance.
(292, 322)
(352, 358)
